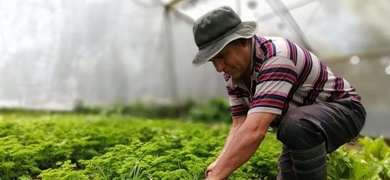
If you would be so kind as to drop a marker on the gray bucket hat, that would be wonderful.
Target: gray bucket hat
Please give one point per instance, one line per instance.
(217, 28)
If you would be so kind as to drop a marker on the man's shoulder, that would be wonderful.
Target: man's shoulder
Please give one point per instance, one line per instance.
(272, 38)
(277, 41)
(273, 46)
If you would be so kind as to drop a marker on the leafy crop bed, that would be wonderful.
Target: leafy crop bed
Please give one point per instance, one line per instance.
(115, 147)
(99, 147)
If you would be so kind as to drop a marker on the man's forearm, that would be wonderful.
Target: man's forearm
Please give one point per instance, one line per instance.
(237, 122)
(244, 144)
(227, 142)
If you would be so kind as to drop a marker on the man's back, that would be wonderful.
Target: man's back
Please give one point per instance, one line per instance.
(284, 72)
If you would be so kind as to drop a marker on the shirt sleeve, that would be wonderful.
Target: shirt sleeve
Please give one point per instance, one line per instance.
(237, 102)
(274, 82)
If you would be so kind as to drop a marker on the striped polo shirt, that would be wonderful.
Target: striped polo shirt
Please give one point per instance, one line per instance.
(284, 76)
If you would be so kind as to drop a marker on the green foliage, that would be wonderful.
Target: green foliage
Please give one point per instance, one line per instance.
(115, 147)
(372, 162)
(80, 108)
(15, 159)
(264, 164)
(67, 171)
(138, 109)
(215, 110)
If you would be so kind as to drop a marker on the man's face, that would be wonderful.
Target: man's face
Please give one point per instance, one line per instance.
(233, 59)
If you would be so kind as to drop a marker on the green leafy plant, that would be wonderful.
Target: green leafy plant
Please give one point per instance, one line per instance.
(74, 146)
(215, 110)
(371, 162)
(70, 146)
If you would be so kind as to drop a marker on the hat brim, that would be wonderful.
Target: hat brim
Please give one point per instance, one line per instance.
(246, 30)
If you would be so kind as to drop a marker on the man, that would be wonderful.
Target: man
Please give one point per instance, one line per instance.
(274, 82)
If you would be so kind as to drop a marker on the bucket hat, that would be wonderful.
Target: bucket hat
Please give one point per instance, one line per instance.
(217, 28)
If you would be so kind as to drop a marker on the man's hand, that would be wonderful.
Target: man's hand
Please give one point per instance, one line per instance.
(210, 168)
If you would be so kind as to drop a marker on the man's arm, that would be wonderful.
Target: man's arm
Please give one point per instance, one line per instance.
(237, 122)
(244, 143)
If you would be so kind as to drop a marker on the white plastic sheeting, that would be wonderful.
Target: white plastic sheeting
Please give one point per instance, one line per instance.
(53, 53)
(99, 52)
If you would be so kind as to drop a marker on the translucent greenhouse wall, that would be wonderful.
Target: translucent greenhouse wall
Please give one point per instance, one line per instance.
(98, 53)
(54, 53)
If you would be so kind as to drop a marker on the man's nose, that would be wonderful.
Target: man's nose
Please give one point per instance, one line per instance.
(219, 65)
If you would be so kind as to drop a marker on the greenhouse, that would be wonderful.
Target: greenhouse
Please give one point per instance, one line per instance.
(100, 89)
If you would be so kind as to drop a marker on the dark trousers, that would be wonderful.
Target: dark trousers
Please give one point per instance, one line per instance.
(302, 128)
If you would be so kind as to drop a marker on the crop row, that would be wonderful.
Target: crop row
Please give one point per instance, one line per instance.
(115, 147)
(101, 147)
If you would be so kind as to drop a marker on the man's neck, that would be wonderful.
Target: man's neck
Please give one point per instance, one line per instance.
(248, 73)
